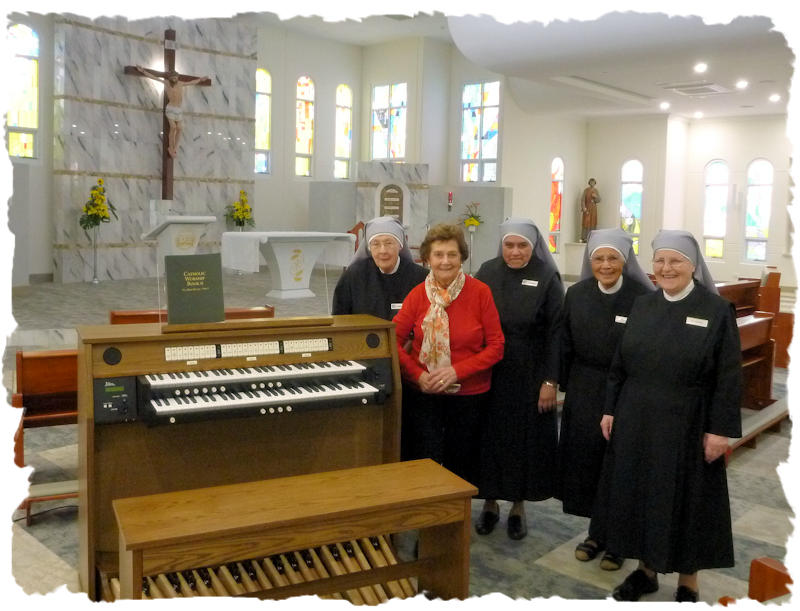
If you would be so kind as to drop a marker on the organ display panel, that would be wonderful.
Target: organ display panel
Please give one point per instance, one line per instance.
(149, 421)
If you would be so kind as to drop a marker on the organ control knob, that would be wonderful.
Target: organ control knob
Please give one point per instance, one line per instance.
(271, 410)
(186, 391)
(221, 389)
(363, 401)
(253, 386)
(288, 408)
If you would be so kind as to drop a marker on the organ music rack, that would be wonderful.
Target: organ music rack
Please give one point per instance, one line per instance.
(122, 455)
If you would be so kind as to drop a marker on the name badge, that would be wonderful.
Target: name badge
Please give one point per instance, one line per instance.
(697, 322)
(396, 306)
(621, 319)
(530, 283)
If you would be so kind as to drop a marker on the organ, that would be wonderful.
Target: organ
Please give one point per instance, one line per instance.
(171, 408)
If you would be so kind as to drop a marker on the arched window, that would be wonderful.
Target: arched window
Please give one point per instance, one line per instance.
(630, 207)
(343, 144)
(759, 207)
(556, 193)
(480, 114)
(715, 208)
(22, 84)
(263, 121)
(304, 126)
(389, 121)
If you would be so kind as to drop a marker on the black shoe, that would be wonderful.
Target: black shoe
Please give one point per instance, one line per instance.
(486, 522)
(516, 527)
(635, 586)
(685, 595)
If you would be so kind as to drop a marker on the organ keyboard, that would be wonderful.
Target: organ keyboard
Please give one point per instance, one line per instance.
(333, 404)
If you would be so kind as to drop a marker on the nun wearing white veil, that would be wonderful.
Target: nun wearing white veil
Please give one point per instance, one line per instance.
(673, 399)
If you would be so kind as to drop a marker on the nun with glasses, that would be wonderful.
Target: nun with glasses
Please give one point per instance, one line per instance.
(673, 400)
(595, 311)
(381, 273)
(518, 450)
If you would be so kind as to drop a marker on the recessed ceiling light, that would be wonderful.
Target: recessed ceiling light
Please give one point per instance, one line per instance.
(664, 105)
(700, 67)
(775, 97)
(741, 84)
(698, 115)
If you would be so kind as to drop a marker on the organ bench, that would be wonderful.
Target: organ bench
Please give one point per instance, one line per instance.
(179, 531)
(168, 408)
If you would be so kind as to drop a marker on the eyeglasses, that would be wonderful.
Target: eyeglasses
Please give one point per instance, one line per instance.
(387, 244)
(609, 259)
(672, 262)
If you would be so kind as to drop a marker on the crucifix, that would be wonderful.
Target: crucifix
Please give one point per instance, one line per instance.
(171, 111)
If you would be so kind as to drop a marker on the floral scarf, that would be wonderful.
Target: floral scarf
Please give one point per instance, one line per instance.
(435, 350)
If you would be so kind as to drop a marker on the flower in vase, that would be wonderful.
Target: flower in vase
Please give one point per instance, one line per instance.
(98, 209)
(239, 212)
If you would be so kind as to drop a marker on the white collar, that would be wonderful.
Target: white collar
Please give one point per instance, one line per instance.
(617, 286)
(686, 290)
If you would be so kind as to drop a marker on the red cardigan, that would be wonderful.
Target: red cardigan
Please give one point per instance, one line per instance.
(476, 337)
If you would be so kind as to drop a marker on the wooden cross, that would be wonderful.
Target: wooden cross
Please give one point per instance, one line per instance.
(169, 69)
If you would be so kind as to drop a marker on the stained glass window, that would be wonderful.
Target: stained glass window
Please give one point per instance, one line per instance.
(758, 210)
(556, 193)
(22, 84)
(263, 122)
(389, 109)
(630, 207)
(344, 132)
(304, 126)
(715, 208)
(480, 113)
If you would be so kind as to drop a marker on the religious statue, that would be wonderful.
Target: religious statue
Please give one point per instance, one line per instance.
(173, 88)
(589, 201)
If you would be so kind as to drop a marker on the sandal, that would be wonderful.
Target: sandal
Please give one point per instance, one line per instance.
(611, 562)
(635, 586)
(588, 550)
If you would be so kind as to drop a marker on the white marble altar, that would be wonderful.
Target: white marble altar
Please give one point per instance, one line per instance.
(290, 256)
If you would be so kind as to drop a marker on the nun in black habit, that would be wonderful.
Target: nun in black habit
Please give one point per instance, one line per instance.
(381, 273)
(673, 400)
(595, 311)
(518, 450)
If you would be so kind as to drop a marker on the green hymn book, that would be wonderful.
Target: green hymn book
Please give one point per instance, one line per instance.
(194, 288)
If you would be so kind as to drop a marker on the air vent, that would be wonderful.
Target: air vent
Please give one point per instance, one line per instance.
(697, 89)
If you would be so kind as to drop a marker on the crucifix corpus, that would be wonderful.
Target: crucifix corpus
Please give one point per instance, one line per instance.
(172, 111)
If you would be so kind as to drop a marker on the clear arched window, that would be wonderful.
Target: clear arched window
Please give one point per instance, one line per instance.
(22, 84)
(343, 144)
(480, 119)
(715, 208)
(304, 127)
(389, 107)
(759, 207)
(263, 121)
(630, 207)
(556, 194)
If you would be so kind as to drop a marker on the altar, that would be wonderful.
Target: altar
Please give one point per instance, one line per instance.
(290, 256)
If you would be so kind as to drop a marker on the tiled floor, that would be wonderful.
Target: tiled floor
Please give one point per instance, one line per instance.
(44, 555)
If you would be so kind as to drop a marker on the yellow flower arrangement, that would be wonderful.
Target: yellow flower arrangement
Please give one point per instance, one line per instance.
(98, 209)
(472, 218)
(240, 212)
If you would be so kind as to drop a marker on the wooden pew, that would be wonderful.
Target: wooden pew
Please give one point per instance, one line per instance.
(769, 580)
(125, 317)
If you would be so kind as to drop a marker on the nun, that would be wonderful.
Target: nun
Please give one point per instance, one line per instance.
(595, 312)
(672, 401)
(519, 441)
(381, 273)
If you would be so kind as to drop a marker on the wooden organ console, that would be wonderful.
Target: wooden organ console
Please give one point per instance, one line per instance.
(182, 407)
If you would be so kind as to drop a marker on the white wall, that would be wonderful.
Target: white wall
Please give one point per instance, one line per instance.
(610, 143)
(436, 107)
(281, 199)
(31, 209)
(529, 145)
(738, 141)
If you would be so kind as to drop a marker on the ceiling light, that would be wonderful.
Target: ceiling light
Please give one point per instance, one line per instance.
(698, 115)
(775, 97)
(700, 67)
(741, 84)
(664, 105)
